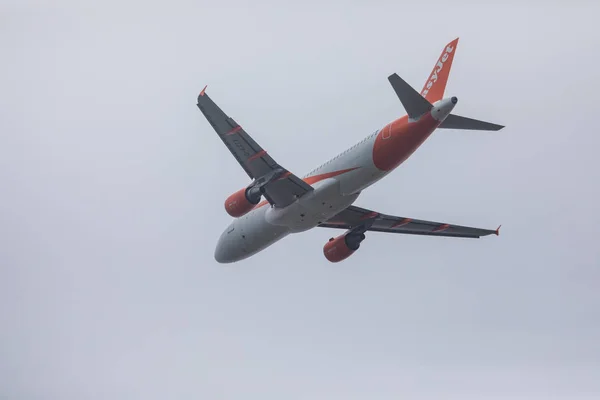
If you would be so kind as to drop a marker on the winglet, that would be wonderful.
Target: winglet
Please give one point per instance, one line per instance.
(498, 231)
(202, 92)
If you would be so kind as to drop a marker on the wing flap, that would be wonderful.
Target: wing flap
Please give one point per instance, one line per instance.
(353, 217)
(285, 190)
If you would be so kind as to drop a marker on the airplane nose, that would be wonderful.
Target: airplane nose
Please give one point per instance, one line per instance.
(229, 248)
(222, 253)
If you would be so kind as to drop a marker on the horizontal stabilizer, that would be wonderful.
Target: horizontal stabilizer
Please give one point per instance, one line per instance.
(414, 104)
(453, 121)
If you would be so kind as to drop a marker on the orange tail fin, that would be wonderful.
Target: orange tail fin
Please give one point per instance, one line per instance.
(436, 83)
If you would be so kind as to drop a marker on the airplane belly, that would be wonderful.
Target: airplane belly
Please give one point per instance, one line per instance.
(253, 233)
(313, 208)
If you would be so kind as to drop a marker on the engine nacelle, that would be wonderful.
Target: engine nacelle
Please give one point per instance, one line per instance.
(241, 202)
(343, 246)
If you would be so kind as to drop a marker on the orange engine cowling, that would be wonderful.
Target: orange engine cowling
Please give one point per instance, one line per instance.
(238, 203)
(342, 247)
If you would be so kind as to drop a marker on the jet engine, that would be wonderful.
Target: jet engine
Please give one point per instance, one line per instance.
(339, 248)
(242, 201)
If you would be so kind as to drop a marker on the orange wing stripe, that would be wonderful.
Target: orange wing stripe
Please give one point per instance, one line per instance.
(284, 176)
(370, 215)
(441, 228)
(403, 222)
(257, 155)
(234, 130)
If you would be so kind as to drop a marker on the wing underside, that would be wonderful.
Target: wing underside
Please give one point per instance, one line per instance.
(353, 217)
(280, 186)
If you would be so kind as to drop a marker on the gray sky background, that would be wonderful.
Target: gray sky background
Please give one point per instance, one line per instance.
(113, 186)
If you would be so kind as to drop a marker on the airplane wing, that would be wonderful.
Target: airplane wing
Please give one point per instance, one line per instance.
(355, 217)
(279, 186)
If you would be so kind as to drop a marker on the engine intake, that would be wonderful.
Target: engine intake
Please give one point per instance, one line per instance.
(241, 202)
(339, 248)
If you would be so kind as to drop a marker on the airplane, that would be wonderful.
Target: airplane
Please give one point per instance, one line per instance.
(324, 197)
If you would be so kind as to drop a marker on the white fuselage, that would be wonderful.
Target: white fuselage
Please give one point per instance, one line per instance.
(337, 184)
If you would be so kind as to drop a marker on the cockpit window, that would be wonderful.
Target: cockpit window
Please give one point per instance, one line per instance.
(231, 229)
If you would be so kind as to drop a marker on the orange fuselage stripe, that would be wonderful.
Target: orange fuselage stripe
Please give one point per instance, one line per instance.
(314, 179)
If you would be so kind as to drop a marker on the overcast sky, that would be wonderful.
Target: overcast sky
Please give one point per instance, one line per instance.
(113, 186)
